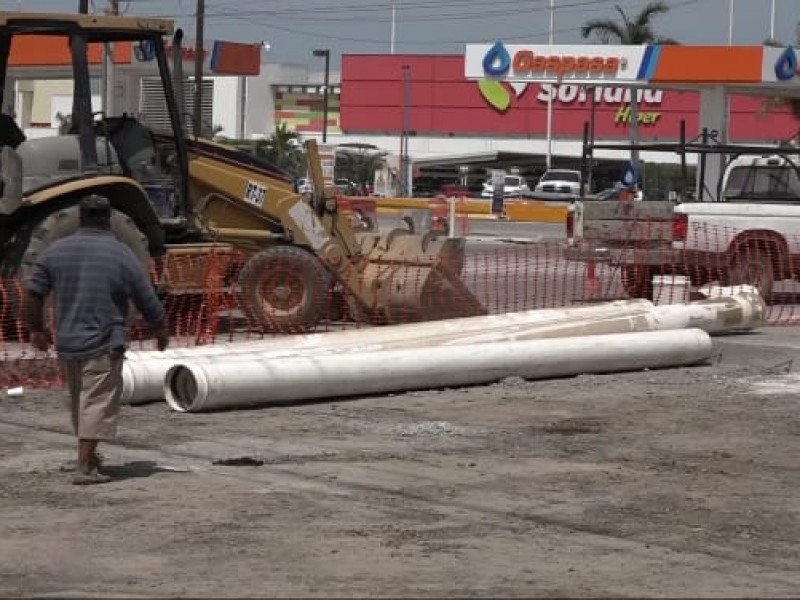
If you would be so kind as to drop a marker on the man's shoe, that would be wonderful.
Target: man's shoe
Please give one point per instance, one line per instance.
(90, 477)
(96, 462)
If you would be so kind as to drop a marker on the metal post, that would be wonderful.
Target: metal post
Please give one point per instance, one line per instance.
(730, 22)
(83, 7)
(592, 116)
(326, 54)
(242, 106)
(107, 79)
(701, 182)
(772, 21)
(684, 168)
(587, 150)
(406, 168)
(198, 69)
(394, 15)
(551, 38)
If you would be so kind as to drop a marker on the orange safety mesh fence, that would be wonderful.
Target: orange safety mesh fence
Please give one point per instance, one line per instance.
(217, 294)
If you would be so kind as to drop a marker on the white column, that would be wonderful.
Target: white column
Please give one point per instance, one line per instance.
(714, 110)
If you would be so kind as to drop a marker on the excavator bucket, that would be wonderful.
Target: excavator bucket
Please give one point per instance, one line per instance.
(411, 277)
(397, 276)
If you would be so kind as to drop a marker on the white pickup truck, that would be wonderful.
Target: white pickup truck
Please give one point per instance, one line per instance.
(752, 235)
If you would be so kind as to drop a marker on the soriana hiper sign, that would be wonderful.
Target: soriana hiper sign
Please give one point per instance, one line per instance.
(517, 65)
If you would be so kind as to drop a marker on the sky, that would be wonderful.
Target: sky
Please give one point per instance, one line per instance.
(294, 28)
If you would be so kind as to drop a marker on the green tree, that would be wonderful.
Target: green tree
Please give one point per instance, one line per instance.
(358, 162)
(630, 31)
(284, 150)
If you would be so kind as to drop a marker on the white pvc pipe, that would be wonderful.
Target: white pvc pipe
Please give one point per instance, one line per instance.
(143, 372)
(745, 310)
(195, 387)
(143, 379)
(403, 332)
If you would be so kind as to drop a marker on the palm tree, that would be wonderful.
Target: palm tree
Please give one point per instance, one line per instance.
(358, 162)
(284, 150)
(629, 31)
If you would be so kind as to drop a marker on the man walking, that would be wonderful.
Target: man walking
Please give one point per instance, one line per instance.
(93, 277)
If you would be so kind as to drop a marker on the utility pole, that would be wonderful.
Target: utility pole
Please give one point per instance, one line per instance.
(326, 54)
(772, 21)
(198, 68)
(730, 22)
(551, 41)
(107, 80)
(394, 17)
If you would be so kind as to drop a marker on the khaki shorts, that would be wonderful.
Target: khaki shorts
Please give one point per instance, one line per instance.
(95, 387)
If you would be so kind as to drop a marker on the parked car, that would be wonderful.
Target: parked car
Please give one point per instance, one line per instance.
(560, 181)
(514, 186)
(304, 186)
(344, 186)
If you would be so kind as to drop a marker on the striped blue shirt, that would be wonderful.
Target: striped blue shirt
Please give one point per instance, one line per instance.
(93, 277)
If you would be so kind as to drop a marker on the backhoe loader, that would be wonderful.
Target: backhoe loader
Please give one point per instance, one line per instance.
(287, 256)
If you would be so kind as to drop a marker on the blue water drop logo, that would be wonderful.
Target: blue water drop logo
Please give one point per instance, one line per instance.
(630, 176)
(497, 61)
(786, 65)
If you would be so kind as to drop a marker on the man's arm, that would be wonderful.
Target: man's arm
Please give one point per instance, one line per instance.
(38, 286)
(146, 301)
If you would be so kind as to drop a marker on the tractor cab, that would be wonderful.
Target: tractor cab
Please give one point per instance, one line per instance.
(114, 154)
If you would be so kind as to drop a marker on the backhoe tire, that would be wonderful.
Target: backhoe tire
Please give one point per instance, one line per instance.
(67, 221)
(284, 289)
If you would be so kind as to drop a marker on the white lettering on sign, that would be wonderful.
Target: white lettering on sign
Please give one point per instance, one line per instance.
(256, 193)
(569, 93)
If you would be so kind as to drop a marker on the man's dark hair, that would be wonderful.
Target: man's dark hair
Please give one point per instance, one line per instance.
(95, 212)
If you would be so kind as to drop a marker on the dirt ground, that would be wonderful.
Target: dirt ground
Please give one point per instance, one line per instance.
(679, 482)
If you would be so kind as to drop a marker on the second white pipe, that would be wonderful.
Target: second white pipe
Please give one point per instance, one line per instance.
(195, 387)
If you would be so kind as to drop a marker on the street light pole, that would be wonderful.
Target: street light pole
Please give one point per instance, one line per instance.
(198, 68)
(730, 22)
(772, 21)
(405, 169)
(394, 17)
(592, 117)
(550, 96)
(326, 54)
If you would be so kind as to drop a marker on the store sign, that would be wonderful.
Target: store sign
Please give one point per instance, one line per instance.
(500, 98)
(499, 61)
(580, 94)
(786, 66)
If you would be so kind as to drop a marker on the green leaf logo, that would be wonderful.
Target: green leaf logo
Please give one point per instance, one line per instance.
(495, 93)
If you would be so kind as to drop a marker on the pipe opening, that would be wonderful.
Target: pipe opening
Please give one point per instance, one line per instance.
(182, 389)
